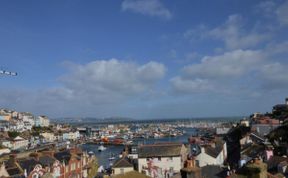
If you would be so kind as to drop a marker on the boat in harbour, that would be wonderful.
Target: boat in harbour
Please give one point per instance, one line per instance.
(101, 148)
(112, 157)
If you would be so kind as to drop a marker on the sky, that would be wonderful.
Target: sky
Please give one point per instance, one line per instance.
(143, 58)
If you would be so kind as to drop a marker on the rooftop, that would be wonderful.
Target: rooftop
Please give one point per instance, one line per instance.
(162, 150)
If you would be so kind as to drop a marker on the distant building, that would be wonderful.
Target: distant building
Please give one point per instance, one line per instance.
(42, 121)
(222, 130)
(16, 143)
(71, 135)
(264, 129)
(5, 117)
(161, 160)
(245, 122)
(4, 126)
(48, 137)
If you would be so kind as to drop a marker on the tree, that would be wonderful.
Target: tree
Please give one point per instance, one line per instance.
(13, 134)
(94, 167)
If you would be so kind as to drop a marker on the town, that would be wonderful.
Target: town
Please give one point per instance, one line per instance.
(255, 146)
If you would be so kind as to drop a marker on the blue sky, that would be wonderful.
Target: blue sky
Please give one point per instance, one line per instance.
(144, 58)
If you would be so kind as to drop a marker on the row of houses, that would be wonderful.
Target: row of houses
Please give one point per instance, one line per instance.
(23, 143)
(23, 123)
(168, 159)
(72, 163)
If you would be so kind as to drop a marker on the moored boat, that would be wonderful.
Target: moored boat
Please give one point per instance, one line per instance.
(101, 148)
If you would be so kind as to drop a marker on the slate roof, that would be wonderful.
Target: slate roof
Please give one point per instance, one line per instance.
(122, 162)
(28, 164)
(214, 152)
(46, 160)
(213, 171)
(273, 162)
(63, 156)
(14, 171)
(162, 150)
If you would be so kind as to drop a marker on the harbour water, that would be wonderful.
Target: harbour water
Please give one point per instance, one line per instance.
(103, 157)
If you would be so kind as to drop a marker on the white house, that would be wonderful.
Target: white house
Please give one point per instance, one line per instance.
(27, 117)
(49, 137)
(6, 143)
(4, 151)
(160, 160)
(17, 125)
(42, 121)
(71, 135)
(211, 155)
(19, 142)
(122, 166)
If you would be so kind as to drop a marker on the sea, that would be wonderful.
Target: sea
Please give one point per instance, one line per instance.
(103, 157)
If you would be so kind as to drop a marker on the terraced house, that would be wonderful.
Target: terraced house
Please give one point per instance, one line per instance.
(161, 160)
(71, 163)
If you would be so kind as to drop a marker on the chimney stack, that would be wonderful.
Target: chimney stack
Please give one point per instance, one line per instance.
(35, 156)
(48, 153)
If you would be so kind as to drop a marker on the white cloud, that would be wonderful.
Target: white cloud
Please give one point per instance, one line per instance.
(113, 77)
(282, 13)
(274, 75)
(98, 88)
(228, 65)
(234, 35)
(266, 8)
(147, 7)
(233, 32)
(183, 85)
(216, 73)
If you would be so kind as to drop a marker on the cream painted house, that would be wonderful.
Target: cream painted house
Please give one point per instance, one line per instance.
(49, 137)
(122, 166)
(161, 160)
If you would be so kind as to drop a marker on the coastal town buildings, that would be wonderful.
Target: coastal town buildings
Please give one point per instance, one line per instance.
(15, 143)
(61, 164)
(72, 135)
(42, 121)
(48, 136)
(213, 148)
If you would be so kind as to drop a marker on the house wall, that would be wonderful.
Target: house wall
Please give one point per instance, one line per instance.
(165, 163)
(48, 136)
(4, 150)
(205, 159)
(19, 144)
(125, 170)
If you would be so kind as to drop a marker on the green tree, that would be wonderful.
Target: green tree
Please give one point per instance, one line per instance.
(94, 167)
(13, 134)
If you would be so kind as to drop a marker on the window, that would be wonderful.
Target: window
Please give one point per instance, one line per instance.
(35, 175)
(73, 166)
(197, 163)
(171, 158)
(159, 158)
